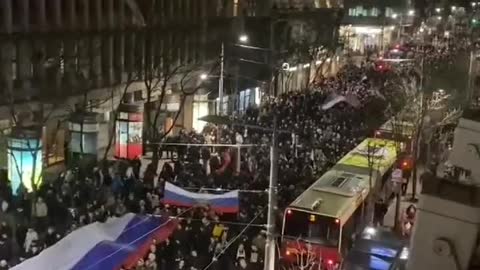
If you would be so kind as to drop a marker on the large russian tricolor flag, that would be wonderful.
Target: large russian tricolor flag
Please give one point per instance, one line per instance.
(223, 203)
(104, 246)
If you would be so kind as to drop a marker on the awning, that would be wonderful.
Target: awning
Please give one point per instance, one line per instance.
(217, 119)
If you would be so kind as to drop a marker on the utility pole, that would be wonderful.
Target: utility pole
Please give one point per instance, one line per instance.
(471, 73)
(273, 87)
(270, 247)
(400, 29)
(220, 81)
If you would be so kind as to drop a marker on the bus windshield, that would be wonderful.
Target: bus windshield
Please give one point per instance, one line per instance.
(312, 228)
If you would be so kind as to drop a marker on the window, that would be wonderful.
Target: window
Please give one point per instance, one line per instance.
(235, 8)
(224, 105)
(245, 100)
(200, 109)
(319, 229)
(138, 95)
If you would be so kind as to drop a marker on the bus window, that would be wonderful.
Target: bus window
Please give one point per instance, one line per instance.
(312, 228)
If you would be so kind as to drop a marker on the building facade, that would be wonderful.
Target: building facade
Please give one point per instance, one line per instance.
(57, 54)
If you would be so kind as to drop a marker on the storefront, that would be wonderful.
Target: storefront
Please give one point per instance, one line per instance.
(248, 98)
(361, 39)
(25, 157)
(83, 144)
(53, 137)
(200, 109)
(129, 132)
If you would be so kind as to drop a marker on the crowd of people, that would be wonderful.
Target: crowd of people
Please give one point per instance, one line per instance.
(317, 137)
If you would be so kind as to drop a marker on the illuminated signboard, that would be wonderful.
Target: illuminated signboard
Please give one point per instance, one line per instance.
(129, 131)
(24, 162)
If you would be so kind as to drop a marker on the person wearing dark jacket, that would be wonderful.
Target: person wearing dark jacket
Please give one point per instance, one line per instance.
(6, 251)
(50, 237)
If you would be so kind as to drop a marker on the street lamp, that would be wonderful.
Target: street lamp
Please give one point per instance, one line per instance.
(394, 15)
(439, 18)
(243, 38)
(203, 76)
(411, 12)
(454, 8)
(438, 10)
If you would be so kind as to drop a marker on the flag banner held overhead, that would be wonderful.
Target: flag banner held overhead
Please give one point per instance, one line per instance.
(115, 244)
(223, 203)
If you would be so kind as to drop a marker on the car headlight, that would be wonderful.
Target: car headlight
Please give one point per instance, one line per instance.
(404, 254)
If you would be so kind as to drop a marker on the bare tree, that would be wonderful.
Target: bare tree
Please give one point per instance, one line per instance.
(33, 121)
(305, 259)
(310, 48)
(373, 160)
(116, 113)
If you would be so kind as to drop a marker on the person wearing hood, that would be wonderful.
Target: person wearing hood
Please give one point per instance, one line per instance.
(241, 254)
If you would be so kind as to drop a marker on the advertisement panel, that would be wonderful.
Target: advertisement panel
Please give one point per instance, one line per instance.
(24, 163)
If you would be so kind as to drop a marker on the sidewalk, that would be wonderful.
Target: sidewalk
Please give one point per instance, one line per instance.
(389, 219)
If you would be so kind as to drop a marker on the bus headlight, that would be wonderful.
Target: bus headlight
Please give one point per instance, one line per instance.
(370, 230)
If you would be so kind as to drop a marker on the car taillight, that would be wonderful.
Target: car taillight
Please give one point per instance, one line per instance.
(289, 212)
(330, 262)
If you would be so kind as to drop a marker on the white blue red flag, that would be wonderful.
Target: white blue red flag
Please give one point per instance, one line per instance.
(119, 242)
(223, 203)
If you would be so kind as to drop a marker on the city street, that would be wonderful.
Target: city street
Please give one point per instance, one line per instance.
(234, 134)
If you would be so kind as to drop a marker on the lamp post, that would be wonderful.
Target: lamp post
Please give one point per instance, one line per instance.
(242, 39)
(270, 247)
(410, 13)
(220, 81)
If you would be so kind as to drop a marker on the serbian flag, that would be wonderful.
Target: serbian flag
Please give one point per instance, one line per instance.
(119, 242)
(222, 203)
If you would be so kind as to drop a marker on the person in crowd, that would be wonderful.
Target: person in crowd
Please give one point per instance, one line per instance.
(408, 220)
(41, 213)
(30, 239)
(380, 211)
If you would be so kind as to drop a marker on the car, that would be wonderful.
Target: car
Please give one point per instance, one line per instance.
(377, 249)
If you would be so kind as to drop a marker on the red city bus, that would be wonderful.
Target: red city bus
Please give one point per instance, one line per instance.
(323, 220)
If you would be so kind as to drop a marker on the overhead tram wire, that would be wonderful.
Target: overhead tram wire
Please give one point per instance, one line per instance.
(259, 191)
(215, 258)
(227, 222)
